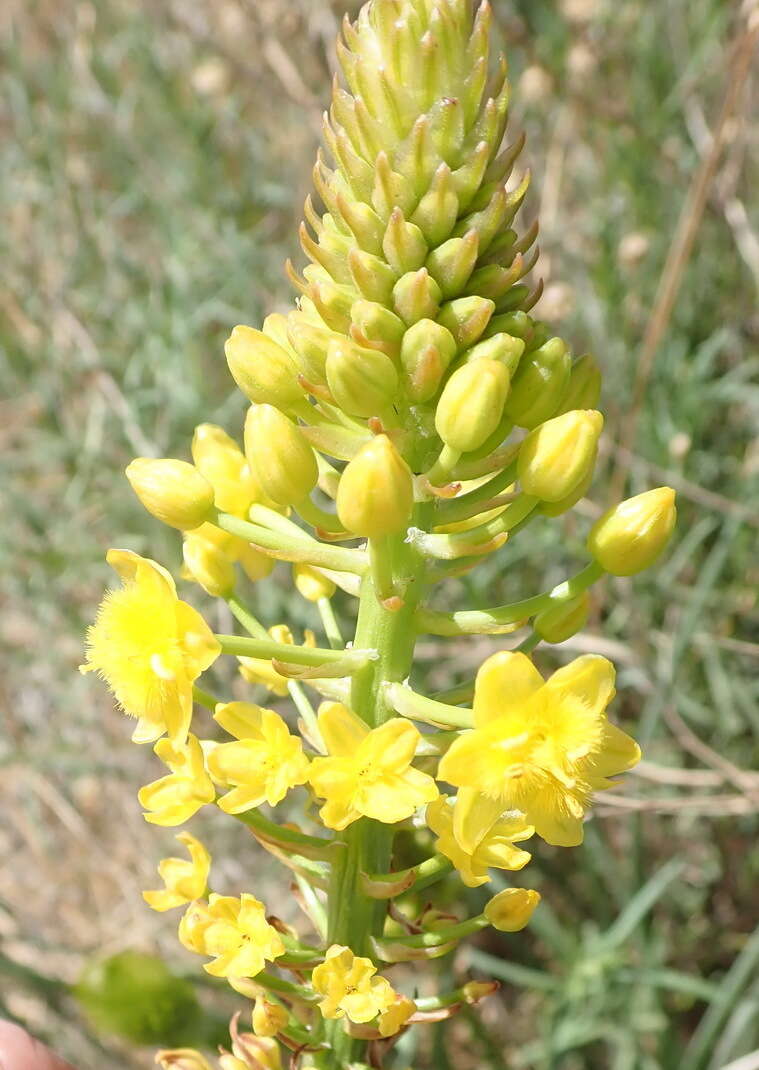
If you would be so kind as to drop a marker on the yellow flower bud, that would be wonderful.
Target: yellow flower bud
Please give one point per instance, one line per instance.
(502, 347)
(262, 369)
(218, 457)
(426, 351)
(363, 382)
(416, 296)
(181, 1059)
(563, 505)
(471, 404)
(310, 342)
(376, 492)
(539, 385)
(584, 388)
(311, 583)
(466, 318)
(561, 622)
(511, 909)
(208, 565)
(631, 535)
(376, 324)
(557, 456)
(268, 1018)
(173, 491)
(281, 458)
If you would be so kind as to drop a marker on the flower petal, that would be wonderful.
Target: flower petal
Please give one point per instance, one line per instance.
(473, 817)
(589, 678)
(342, 731)
(504, 684)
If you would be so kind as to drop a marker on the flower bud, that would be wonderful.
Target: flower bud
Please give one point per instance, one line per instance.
(517, 324)
(262, 369)
(561, 622)
(310, 342)
(377, 325)
(268, 1018)
(563, 505)
(452, 263)
(511, 909)
(373, 278)
(222, 462)
(404, 244)
(426, 352)
(416, 296)
(363, 382)
(281, 458)
(471, 404)
(584, 388)
(504, 348)
(173, 491)
(539, 384)
(474, 991)
(181, 1059)
(311, 584)
(208, 565)
(631, 535)
(466, 318)
(376, 492)
(557, 456)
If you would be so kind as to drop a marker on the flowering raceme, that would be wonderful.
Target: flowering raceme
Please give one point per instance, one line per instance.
(407, 419)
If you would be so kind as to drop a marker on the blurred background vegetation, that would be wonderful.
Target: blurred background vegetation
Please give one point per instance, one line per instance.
(155, 160)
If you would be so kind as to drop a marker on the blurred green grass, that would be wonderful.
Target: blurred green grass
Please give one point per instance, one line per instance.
(155, 163)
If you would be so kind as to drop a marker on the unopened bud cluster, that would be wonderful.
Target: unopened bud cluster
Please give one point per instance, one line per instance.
(407, 419)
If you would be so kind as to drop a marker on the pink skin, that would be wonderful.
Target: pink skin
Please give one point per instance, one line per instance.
(19, 1051)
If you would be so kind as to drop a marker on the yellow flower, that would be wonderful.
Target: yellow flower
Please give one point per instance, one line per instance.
(349, 988)
(265, 763)
(539, 747)
(149, 647)
(493, 840)
(184, 880)
(258, 671)
(395, 1017)
(511, 909)
(239, 937)
(268, 1018)
(176, 797)
(369, 772)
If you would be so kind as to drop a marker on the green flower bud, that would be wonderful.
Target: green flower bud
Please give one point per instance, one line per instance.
(263, 370)
(501, 347)
(426, 352)
(557, 456)
(438, 210)
(559, 623)
(631, 535)
(471, 405)
(310, 343)
(374, 279)
(466, 318)
(279, 455)
(172, 491)
(416, 296)
(376, 327)
(404, 245)
(584, 388)
(452, 263)
(563, 505)
(363, 382)
(376, 492)
(539, 384)
(517, 324)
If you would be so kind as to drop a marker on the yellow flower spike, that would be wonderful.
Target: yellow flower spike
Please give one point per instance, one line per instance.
(511, 909)
(349, 987)
(184, 881)
(376, 492)
(311, 584)
(631, 535)
(269, 1018)
(279, 455)
(239, 937)
(395, 1017)
(494, 847)
(557, 457)
(265, 762)
(172, 491)
(540, 747)
(368, 772)
(258, 671)
(218, 457)
(149, 647)
(175, 798)
(471, 405)
(182, 1059)
(193, 926)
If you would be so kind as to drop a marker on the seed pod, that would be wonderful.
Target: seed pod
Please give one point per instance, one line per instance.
(559, 623)
(363, 382)
(280, 456)
(426, 351)
(471, 404)
(631, 535)
(172, 491)
(539, 384)
(556, 457)
(263, 370)
(376, 492)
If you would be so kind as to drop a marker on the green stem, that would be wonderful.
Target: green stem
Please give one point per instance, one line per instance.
(355, 919)
(289, 547)
(460, 508)
(267, 649)
(204, 698)
(329, 622)
(419, 708)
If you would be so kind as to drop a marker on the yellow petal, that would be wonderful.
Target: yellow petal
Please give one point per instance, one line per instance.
(618, 753)
(560, 830)
(164, 899)
(342, 731)
(130, 567)
(200, 646)
(391, 746)
(473, 817)
(589, 678)
(504, 683)
(240, 719)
